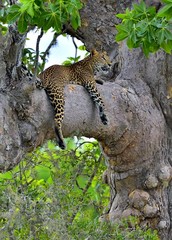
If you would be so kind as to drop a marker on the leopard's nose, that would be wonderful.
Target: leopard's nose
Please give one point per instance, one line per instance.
(106, 68)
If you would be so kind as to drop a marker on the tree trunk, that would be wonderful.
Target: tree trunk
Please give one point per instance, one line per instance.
(137, 95)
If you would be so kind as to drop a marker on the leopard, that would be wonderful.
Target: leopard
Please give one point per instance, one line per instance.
(54, 79)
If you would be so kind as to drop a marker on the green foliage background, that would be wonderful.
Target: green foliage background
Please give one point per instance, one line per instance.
(54, 194)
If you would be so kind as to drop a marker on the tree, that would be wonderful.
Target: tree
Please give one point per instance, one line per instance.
(137, 95)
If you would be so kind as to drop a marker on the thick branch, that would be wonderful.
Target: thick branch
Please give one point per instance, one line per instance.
(128, 113)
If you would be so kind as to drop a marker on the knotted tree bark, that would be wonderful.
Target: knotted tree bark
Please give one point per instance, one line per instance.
(138, 139)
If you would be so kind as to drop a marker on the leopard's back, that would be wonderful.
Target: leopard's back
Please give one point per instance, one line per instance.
(57, 75)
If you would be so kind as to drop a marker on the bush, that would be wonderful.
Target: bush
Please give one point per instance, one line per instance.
(54, 194)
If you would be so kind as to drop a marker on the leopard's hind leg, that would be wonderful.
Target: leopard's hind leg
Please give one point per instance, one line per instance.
(57, 100)
(95, 95)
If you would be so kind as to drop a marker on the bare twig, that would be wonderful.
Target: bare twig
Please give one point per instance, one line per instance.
(52, 43)
(80, 144)
(76, 47)
(84, 190)
(93, 174)
(37, 52)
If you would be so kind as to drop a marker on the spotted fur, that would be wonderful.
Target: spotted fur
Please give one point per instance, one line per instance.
(55, 78)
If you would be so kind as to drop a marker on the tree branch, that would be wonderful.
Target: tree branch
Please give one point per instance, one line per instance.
(37, 52)
(52, 43)
(76, 47)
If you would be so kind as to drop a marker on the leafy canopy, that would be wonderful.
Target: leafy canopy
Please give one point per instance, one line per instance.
(44, 14)
(144, 27)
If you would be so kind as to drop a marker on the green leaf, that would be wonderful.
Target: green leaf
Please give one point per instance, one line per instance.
(66, 63)
(167, 46)
(169, 42)
(122, 27)
(161, 36)
(153, 47)
(22, 24)
(3, 29)
(57, 25)
(27, 6)
(51, 20)
(82, 181)
(7, 175)
(142, 28)
(121, 36)
(140, 8)
(75, 21)
(123, 32)
(42, 172)
(13, 14)
(3, 15)
(159, 23)
(70, 9)
(130, 42)
(133, 36)
(151, 13)
(30, 10)
(82, 48)
(167, 1)
(168, 34)
(127, 15)
(145, 47)
(78, 4)
(166, 10)
(121, 15)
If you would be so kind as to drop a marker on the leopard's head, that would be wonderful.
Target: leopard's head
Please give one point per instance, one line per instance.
(101, 60)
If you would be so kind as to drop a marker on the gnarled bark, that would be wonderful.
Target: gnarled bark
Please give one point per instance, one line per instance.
(137, 96)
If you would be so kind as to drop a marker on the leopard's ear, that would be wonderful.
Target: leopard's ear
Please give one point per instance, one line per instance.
(94, 52)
